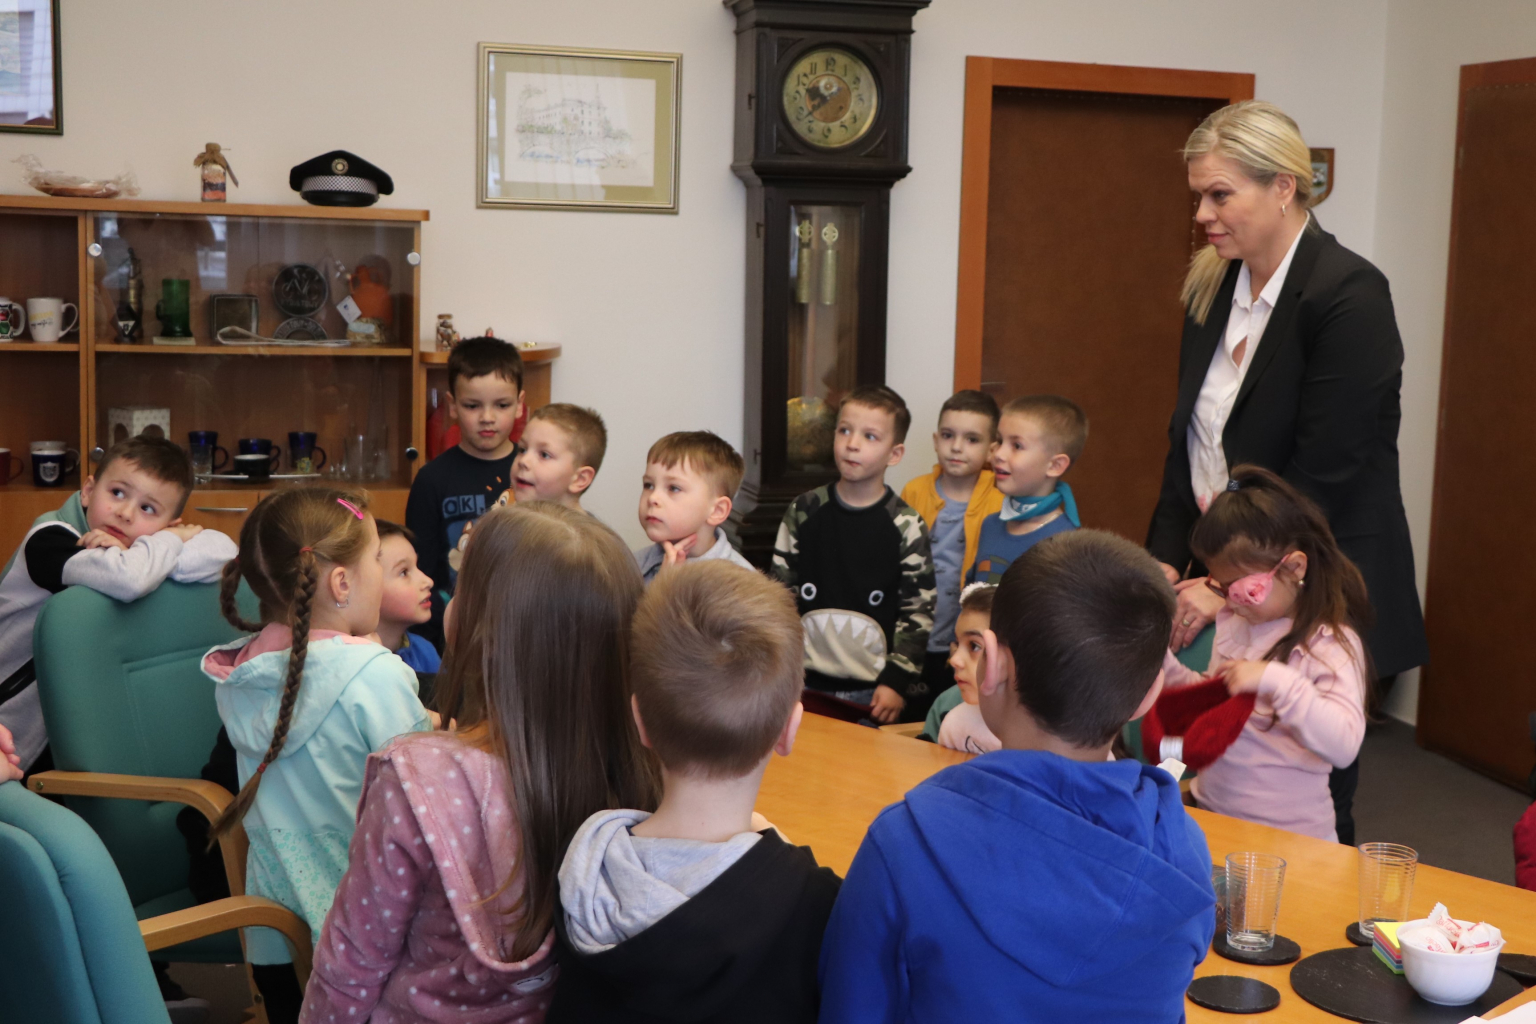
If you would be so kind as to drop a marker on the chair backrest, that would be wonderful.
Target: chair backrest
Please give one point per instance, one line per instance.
(73, 953)
(123, 692)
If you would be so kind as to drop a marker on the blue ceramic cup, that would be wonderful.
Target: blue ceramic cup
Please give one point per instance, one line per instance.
(210, 440)
(261, 446)
(51, 465)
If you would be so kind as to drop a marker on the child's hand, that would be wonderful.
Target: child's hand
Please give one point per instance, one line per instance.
(675, 554)
(100, 539)
(1241, 676)
(886, 705)
(184, 531)
(437, 719)
(10, 761)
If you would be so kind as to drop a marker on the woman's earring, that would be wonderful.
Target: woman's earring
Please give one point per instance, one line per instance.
(343, 604)
(1282, 209)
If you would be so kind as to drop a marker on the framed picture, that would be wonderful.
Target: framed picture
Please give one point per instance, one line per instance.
(578, 129)
(31, 78)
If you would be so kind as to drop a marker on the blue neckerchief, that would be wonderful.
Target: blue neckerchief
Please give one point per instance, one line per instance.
(1031, 508)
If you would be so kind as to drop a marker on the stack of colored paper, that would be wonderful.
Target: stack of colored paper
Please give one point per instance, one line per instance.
(1386, 947)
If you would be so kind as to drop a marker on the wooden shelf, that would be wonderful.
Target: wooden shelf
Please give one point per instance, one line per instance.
(396, 352)
(33, 346)
(200, 209)
(537, 354)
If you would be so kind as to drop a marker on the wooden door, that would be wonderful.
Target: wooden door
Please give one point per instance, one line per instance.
(1477, 690)
(1077, 224)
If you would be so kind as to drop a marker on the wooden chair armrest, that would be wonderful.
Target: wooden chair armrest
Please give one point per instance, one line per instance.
(227, 914)
(903, 729)
(207, 798)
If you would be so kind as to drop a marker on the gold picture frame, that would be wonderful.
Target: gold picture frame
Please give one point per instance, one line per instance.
(578, 129)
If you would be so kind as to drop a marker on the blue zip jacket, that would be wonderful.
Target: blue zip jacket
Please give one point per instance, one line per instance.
(1023, 886)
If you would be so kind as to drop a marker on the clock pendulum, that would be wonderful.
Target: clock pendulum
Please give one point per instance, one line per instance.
(803, 263)
(829, 266)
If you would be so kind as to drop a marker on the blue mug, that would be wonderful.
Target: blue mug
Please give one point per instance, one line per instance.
(261, 446)
(51, 465)
(210, 440)
(304, 456)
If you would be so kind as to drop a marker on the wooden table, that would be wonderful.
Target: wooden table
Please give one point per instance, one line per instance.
(826, 793)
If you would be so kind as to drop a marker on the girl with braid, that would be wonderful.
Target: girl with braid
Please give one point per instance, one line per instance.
(304, 700)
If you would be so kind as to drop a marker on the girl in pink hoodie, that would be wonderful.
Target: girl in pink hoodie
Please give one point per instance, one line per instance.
(1289, 635)
(446, 909)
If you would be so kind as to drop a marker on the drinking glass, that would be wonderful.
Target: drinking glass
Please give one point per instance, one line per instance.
(1386, 883)
(1254, 881)
(202, 462)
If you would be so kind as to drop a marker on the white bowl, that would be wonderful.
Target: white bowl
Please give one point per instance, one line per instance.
(1450, 979)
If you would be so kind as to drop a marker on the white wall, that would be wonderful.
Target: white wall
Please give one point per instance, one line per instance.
(649, 308)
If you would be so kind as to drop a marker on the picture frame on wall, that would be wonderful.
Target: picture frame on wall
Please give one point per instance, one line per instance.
(576, 129)
(31, 71)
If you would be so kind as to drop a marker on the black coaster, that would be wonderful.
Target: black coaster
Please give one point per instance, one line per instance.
(1284, 951)
(1353, 984)
(1519, 966)
(1355, 935)
(1228, 993)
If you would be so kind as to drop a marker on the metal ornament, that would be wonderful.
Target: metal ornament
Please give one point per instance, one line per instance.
(299, 328)
(829, 266)
(299, 290)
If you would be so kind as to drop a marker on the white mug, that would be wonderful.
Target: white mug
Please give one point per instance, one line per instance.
(45, 315)
(13, 320)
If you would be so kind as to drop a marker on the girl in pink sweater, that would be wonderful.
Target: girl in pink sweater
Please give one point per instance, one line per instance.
(1289, 635)
(445, 911)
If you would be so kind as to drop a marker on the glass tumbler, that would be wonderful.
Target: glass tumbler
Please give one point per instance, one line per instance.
(1254, 881)
(1386, 883)
(202, 462)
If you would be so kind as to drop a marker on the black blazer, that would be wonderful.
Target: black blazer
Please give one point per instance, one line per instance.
(1320, 405)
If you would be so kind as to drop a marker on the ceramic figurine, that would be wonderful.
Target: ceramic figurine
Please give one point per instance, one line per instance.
(370, 290)
(215, 169)
(447, 337)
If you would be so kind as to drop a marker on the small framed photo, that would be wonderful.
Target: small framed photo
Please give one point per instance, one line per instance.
(578, 129)
(31, 76)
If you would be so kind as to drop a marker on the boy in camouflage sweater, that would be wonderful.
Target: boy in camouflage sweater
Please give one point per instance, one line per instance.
(856, 557)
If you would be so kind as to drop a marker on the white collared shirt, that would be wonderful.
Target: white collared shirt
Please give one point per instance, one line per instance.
(1208, 468)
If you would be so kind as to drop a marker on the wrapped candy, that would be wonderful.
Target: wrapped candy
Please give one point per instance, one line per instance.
(1446, 934)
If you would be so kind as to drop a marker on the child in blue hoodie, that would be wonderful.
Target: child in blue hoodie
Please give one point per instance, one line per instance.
(305, 701)
(1041, 882)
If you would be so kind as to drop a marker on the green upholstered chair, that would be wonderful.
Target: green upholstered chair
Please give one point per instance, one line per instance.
(131, 719)
(74, 953)
(1197, 656)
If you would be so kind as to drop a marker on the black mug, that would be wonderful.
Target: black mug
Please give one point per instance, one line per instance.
(51, 465)
(254, 466)
(260, 446)
(304, 456)
(210, 439)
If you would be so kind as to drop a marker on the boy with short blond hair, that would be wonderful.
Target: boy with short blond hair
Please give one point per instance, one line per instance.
(954, 500)
(121, 534)
(857, 559)
(686, 493)
(700, 911)
(563, 448)
(1042, 437)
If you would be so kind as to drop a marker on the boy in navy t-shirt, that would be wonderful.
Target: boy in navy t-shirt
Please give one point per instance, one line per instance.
(1042, 437)
(485, 398)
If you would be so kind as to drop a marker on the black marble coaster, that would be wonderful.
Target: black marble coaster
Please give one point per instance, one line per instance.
(1355, 935)
(1520, 966)
(1353, 984)
(1284, 951)
(1228, 993)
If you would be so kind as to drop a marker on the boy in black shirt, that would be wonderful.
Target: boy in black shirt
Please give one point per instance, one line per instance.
(485, 389)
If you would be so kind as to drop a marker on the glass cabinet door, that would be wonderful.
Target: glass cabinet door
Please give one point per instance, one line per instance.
(823, 328)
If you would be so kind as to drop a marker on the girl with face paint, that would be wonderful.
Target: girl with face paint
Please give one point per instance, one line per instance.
(1289, 635)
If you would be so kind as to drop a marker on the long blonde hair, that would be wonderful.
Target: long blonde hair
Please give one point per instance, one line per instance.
(1264, 140)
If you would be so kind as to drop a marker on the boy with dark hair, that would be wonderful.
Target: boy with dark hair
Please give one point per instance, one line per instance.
(485, 398)
(856, 557)
(686, 493)
(954, 500)
(1042, 436)
(1041, 879)
(406, 602)
(563, 448)
(120, 534)
(700, 911)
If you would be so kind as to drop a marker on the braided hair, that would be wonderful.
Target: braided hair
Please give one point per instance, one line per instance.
(282, 547)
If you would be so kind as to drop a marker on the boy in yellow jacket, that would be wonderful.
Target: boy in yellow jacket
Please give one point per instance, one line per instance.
(953, 500)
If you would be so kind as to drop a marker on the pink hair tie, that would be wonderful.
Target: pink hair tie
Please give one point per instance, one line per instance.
(306, 548)
(353, 508)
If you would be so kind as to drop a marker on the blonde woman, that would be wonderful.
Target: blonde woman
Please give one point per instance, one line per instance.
(1290, 360)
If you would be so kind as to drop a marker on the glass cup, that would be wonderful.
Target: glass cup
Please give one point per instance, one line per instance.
(1254, 881)
(1386, 883)
(1219, 883)
(202, 462)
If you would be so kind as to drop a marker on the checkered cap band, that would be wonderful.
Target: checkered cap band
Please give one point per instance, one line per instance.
(339, 183)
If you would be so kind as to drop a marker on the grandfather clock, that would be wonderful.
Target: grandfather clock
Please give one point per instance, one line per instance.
(821, 136)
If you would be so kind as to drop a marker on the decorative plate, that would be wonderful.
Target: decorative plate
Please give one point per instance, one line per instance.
(299, 328)
(299, 290)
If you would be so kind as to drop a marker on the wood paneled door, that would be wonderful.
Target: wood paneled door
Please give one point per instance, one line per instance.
(1076, 226)
(1477, 692)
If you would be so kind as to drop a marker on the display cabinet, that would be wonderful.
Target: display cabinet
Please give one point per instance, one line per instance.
(250, 321)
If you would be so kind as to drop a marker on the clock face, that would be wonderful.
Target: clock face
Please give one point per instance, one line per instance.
(830, 98)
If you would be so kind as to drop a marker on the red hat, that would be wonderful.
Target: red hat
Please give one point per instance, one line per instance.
(1203, 716)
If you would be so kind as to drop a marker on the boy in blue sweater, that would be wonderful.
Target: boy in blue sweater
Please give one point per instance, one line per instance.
(1041, 882)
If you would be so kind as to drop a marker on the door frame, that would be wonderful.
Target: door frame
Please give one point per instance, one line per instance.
(983, 75)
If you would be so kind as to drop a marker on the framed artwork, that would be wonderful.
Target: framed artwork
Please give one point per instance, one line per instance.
(31, 78)
(1322, 174)
(578, 129)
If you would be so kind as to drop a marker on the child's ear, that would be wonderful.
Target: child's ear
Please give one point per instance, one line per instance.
(719, 512)
(1296, 564)
(86, 486)
(582, 480)
(337, 584)
(634, 709)
(896, 454)
(786, 740)
(1153, 693)
(1058, 465)
(996, 668)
